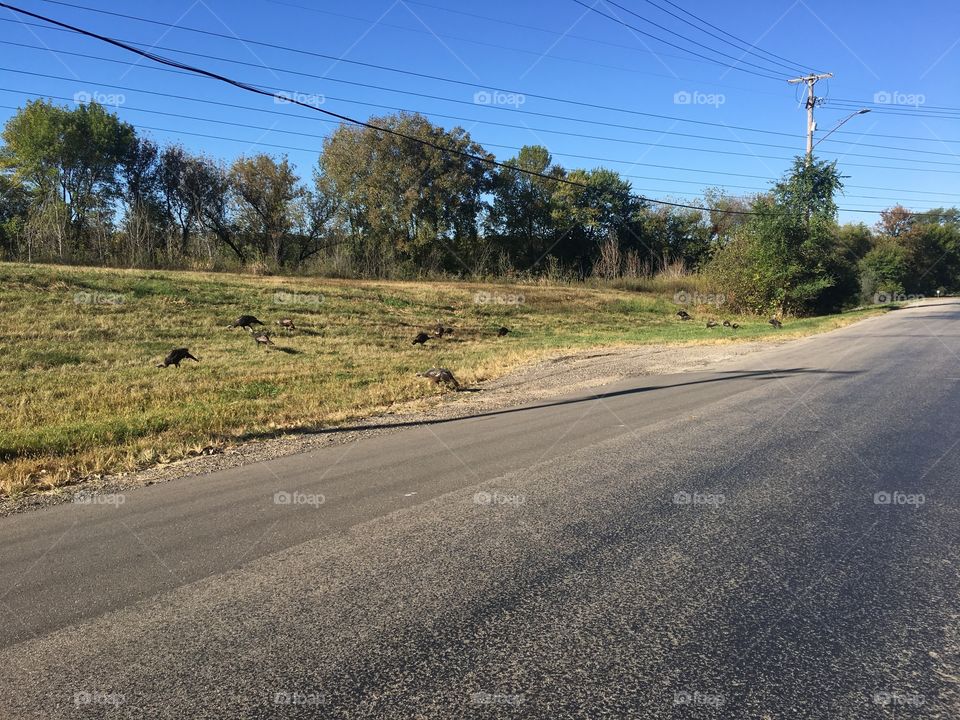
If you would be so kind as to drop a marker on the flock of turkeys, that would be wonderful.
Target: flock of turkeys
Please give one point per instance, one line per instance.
(684, 315)
(435, 375)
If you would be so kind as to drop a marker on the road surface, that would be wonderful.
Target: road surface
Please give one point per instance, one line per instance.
(776, 537)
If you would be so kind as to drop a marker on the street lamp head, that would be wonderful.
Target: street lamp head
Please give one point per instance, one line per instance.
(863, 111)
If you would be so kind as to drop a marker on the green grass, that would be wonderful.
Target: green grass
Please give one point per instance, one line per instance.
(80, 393)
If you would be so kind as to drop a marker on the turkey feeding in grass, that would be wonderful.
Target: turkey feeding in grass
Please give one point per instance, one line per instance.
(502, 331)
(286, 324)
(246, 322)
(712, 323)
(776, 323)
(176, 357)
(439, 331)
(420, 339)
(440, 375)
(684, 315)
(263, 339)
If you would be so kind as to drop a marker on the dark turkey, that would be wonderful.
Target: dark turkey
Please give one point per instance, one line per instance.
(420, 339)
(502, 331)
(246, 321)
(684, 315)
(176, 357)
(776, 323)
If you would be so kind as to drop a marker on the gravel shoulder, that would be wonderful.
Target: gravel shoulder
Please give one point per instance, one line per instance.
(560, 374)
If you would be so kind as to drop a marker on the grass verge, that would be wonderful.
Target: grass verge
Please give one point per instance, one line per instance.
(80, 394)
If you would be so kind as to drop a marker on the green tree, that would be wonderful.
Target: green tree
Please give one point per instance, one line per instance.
(408, 203)
(73, 155)
(785, 259)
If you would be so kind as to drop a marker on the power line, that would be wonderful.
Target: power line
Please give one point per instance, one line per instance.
(250, 88)
(701, 183)
(533, 129)
(792, 67)
(464, 102)
(738, 66)
(730, 35)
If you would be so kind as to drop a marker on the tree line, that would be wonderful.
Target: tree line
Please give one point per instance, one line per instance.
(81, 186)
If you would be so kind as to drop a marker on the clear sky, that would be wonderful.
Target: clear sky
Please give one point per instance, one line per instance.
(718, 126)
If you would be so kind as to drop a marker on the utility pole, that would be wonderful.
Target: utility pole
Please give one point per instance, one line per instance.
(812, 102)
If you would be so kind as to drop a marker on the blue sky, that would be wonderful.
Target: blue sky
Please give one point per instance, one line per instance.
(717, 127)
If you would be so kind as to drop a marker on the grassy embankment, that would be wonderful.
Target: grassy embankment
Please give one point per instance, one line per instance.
(80, 393)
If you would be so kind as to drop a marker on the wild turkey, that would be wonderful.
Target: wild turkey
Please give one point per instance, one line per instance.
(420, 339)
(734, 326)
(263, 339)
(440, 375)
(776, 323)
(712, 323)
(176, 357)
(684, 315)
(286, 324)
(246, 321)
(439, 331)
(726, 323)
(502, 331)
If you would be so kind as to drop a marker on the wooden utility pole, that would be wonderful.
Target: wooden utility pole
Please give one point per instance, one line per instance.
(812, 102)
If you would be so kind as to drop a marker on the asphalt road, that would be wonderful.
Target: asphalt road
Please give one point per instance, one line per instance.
(774, 538)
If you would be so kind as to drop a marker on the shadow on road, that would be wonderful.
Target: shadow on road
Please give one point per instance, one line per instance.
(728, 375)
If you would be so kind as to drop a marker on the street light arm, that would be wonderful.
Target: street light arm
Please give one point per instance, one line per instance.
(836, 127)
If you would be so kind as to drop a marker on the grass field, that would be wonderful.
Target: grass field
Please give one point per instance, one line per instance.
(80, 393)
